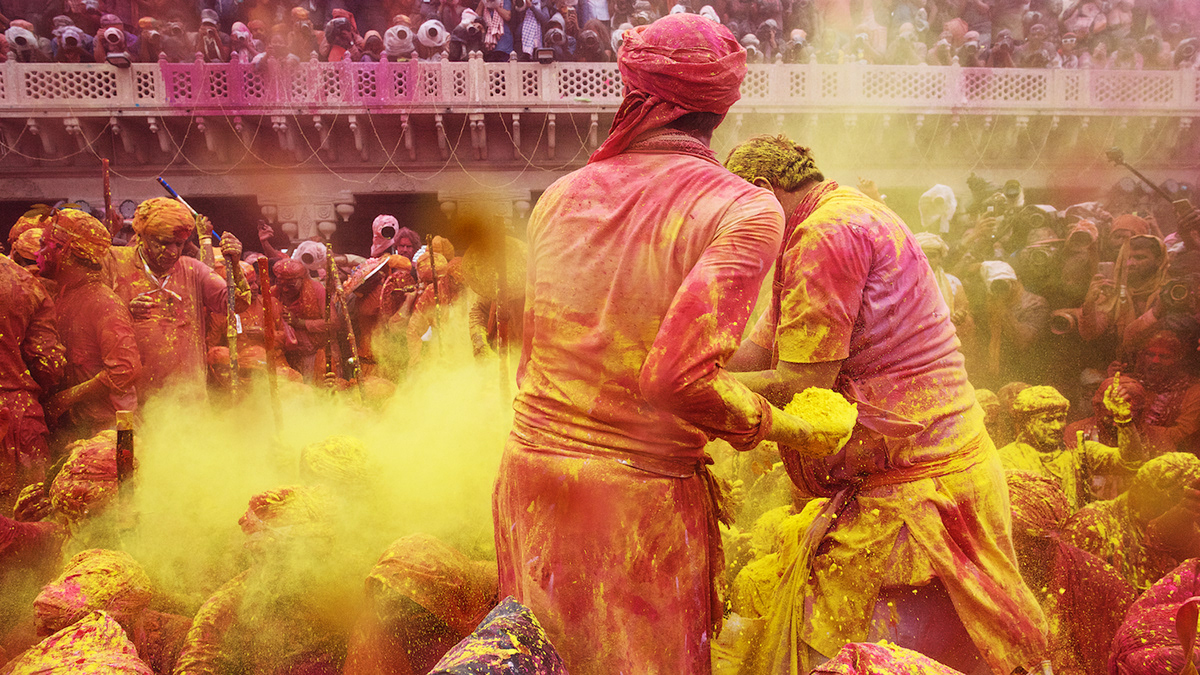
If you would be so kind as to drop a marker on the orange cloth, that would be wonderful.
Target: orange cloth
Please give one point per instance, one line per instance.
(604, 519)
(31, 363)
(162, 217)
(172, 340)
(83, 236)
(87, 481)
(852, 285)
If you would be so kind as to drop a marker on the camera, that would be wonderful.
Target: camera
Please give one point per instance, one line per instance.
(387, 232)
(21, 41)
(175, 30)
(1064, 321)
(556, 37)
(113, 36)
(473, 29)
(1001, 287)
(590, 40)
(404, 33)
(1038, 256)
(520, 5)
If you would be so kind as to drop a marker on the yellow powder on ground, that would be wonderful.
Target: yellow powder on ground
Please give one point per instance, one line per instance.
(827, 411)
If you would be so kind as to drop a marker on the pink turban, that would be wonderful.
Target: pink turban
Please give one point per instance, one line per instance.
(82, 235)
(680, 64)
(289, 269)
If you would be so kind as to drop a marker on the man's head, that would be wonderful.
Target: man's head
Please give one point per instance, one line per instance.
(72, 237)
(290, 277)
(774, 163)
(1123, 228)
(934, 248)
(1160, 482)
(163, 226)
(1041, 416)
(1144, 256)
(680, 64)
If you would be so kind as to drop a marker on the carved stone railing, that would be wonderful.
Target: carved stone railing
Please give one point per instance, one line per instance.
(321, 88)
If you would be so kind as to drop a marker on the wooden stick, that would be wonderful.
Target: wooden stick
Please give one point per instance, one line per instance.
(263, 267)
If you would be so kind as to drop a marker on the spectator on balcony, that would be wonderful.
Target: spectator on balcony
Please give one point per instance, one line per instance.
(1185, 55)
(971, 54)
(1156, 53)
(113, 43)
(1038, 51)
(1068, 55)
(242, 44)
(277, 48)
(303, 42)
(210, 40)
(83, 13)
(150, 40)
(1000, 55)
(340, 40)
(1126, 57)
(466, 37)
(372, 49)
(71, 45)
(556, 38)
(532, 17)
(432, 40)
(24, 46)
(976, 14)
(906, 49)
(398, 41)
(497, 36)
(450, 12)
(594, 9)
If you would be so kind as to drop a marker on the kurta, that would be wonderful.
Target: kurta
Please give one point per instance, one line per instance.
(642, 273)
(852, 285)
(31, 362)
(171, 339)
(1072, 469)
(97, 331)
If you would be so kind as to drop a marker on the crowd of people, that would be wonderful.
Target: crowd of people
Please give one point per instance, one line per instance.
(1120, 34)
(1016, 481)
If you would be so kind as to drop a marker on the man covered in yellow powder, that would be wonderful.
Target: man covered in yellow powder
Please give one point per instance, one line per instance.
(914, 541)
(1041, 415)
(170, 296)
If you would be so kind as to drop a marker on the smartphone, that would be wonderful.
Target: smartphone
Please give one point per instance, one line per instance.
(1106, 270)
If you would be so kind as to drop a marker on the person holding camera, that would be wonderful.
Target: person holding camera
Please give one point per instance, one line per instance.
(1011, 327)
(497, 36)
(1113, 303)
(70, 45)
(532, 18)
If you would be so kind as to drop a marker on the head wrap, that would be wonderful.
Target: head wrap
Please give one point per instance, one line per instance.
(679, 64)
(316, 255)
(423, 271)
(95, 579)
(396, 46)
(928, 241)
(1039, 506)
(25, 223)
(995, 270)
(289, 269)
(111, 20)
(443, 581)
(1166, 474)
(937, 207)
(88, 479)
(1130, 223)
(338, 460)
(162, 218)
(709, 13)
(1039, 399)
(257, 26)
(82, 235)
(299, 14)
(95, 644)
(380, 243)
(443, 246)
(147, 23)
(240, 31)
(289, 512)
(29, 243)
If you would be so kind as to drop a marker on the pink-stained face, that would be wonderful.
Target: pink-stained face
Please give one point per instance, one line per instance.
(49, 258)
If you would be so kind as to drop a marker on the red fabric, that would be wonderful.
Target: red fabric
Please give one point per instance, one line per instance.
(97, 331)
(172, 340)
(443, 582)
(27, 544)
(881, 659)
(1147, 643)
(87, 481)
(635, 298)
(679, 64)
(31, 362)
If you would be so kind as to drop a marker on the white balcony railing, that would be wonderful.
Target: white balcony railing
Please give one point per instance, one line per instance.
(234, 89)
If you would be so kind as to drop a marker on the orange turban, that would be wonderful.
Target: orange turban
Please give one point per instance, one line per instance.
(423, 271)
(95, 579)
(29, 243)
(442, 245)
(24, 223)
(82, 235)
(1130, 223)
(290, 269)
(161, 218)
(680, 64)
(88, 479)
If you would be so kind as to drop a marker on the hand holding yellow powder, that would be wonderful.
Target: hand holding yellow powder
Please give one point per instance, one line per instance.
(831, 416)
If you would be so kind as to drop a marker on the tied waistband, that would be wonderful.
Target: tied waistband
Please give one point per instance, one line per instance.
(964, 458)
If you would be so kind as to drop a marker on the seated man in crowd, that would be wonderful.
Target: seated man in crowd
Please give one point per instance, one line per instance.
(1041, 414)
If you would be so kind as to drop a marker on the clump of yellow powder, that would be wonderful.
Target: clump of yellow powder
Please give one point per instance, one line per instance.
(827, 410)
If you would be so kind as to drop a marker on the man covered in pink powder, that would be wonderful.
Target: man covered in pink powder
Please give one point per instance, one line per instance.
(643, 268)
